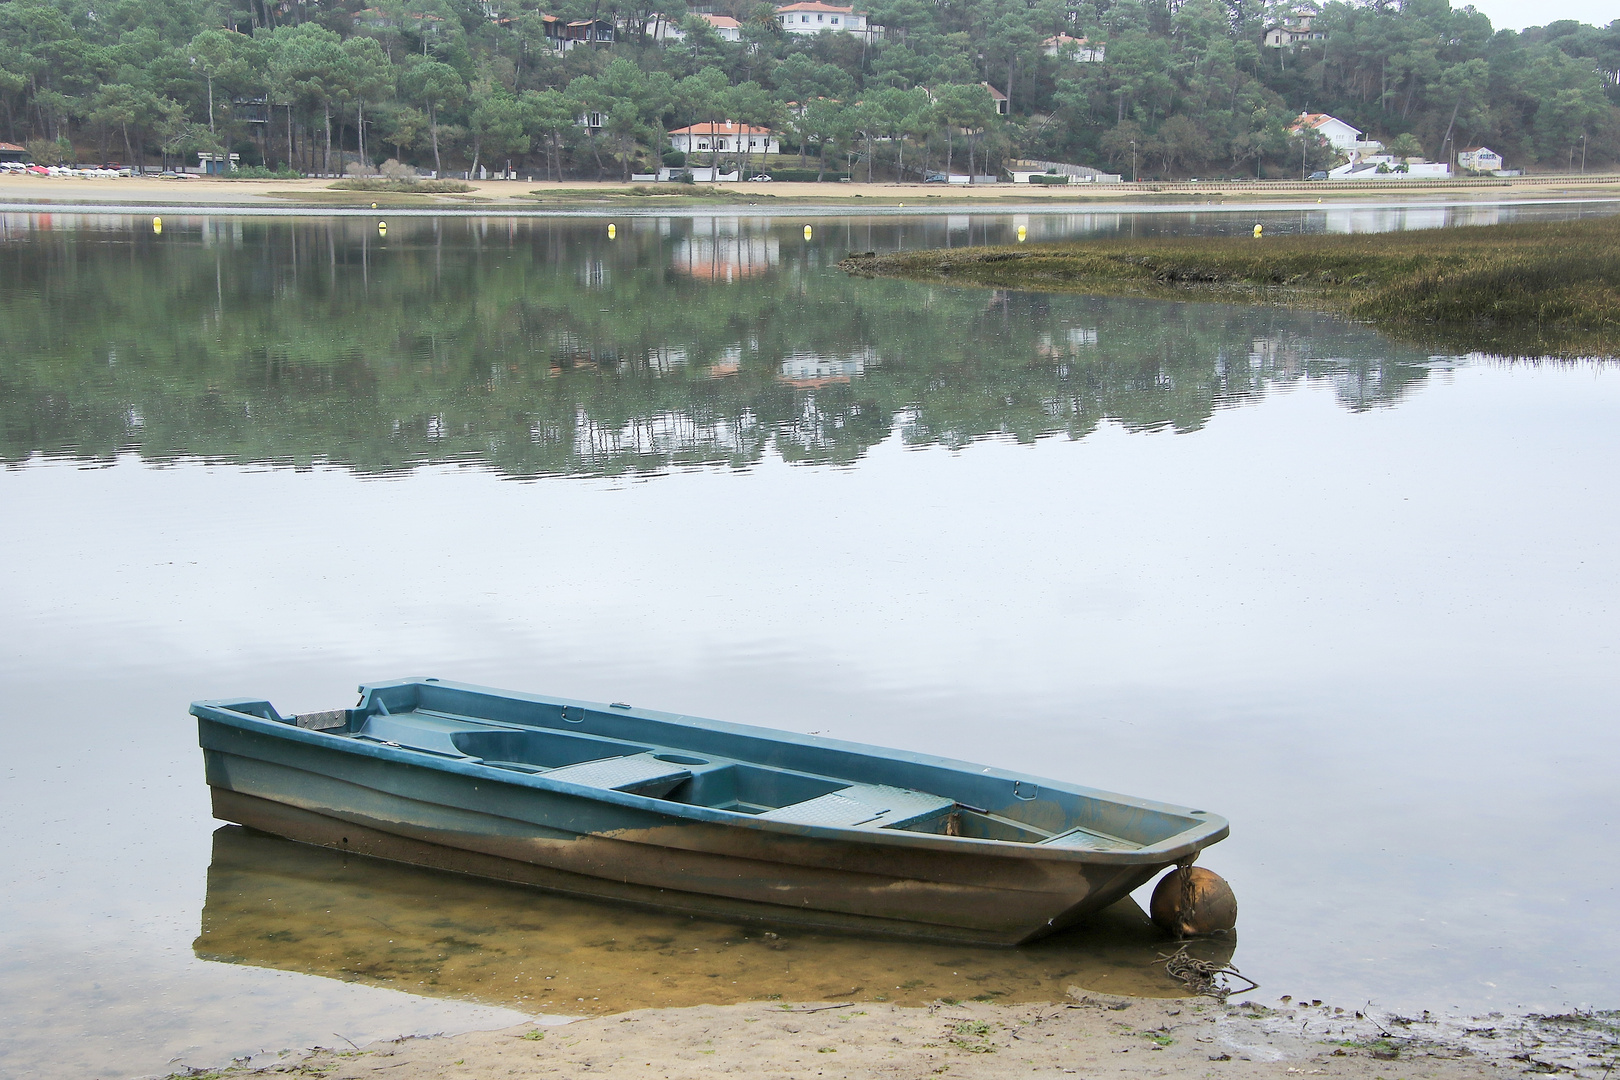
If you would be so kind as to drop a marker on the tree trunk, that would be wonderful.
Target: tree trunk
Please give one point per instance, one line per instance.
(210, 105)
(433, 126)
(360, 130)
(129, 152)
(326, 156)
(478, 151)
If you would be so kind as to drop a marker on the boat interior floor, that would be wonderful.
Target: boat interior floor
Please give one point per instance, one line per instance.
(682, 776)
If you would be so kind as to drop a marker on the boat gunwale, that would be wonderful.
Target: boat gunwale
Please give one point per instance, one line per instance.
(1210, 828)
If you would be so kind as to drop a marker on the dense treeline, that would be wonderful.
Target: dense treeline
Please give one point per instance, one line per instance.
(298, 342)
(1186, 86)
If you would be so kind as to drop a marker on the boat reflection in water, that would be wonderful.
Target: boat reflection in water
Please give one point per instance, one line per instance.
(277, 904)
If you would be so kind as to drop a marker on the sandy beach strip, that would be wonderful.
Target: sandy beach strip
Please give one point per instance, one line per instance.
(46, 194)
(1088, 1036)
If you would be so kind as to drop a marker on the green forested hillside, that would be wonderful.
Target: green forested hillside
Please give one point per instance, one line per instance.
(1185, 87)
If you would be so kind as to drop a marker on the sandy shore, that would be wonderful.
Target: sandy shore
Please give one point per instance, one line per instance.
(500, 196)
(1087, 1036)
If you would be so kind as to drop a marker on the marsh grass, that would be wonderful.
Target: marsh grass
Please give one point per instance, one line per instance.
(1531, 289)
(412, 187)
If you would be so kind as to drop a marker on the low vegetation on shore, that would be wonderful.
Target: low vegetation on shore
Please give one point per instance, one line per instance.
(1543, 289)
(410, 186)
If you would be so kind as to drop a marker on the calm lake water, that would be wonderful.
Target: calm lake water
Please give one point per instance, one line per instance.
(1357, 598)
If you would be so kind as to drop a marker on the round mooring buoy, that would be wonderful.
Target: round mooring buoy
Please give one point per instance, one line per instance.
(807, 232)
(1189, 901)
(1258, 229)
(382, 228)
(1022, 232)
(613, 231)
(157, 226)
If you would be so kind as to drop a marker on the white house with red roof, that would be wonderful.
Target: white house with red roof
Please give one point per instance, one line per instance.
(1080, 50)
(1343, 137)
(726, 138)
(667, 29)
(813, 16)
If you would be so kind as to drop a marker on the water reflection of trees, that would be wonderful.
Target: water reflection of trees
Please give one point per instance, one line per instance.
(548, 349)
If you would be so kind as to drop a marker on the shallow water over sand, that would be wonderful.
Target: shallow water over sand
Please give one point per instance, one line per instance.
(1350, 595)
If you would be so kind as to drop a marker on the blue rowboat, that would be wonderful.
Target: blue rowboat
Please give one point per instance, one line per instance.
(689, 814)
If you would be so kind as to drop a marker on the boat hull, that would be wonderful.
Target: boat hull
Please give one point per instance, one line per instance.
(420, 806)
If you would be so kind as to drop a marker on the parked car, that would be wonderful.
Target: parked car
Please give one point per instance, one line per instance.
(763, 178)
(936, 178)
(1317, 176)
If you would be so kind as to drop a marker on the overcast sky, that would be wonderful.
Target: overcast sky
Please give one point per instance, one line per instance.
(1518, 14)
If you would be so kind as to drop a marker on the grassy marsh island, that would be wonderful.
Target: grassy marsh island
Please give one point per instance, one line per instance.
(1547, 289)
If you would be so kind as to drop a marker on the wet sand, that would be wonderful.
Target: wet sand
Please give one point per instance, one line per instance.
(1084, 1036)
(646, 995)
(539, 197)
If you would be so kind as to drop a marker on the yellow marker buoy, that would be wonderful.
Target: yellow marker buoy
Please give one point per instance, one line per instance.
(807, 232)
(1257, 231)
(157, 225)
(613, 231)
(374, 206)
(1020, 234)
(382, 228)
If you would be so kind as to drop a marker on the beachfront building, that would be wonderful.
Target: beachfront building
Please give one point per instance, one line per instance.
(1343, 137)
(1479, 159)
(813, 16)
(726, 138)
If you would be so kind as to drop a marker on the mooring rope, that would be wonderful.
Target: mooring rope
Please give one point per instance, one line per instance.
(1204, 976)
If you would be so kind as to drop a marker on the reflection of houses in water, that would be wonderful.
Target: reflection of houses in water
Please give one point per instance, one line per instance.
(726, 259)
(1386, 219)
(1276, 357)
(730, 363)
(670, 435)
(810, 370)
(725, 254)
(1069, 343)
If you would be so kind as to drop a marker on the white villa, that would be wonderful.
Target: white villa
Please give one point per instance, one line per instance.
(1291, 31)
(1080, 50)
(726, 138)
(1341, 136)
(1479, 159)
(813, 16)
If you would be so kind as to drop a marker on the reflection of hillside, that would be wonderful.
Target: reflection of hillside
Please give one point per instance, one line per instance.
(275, 904)
(297, 342)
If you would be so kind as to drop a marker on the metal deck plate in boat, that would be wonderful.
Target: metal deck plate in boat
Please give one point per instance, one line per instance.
(619, 772)
(862, 804)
